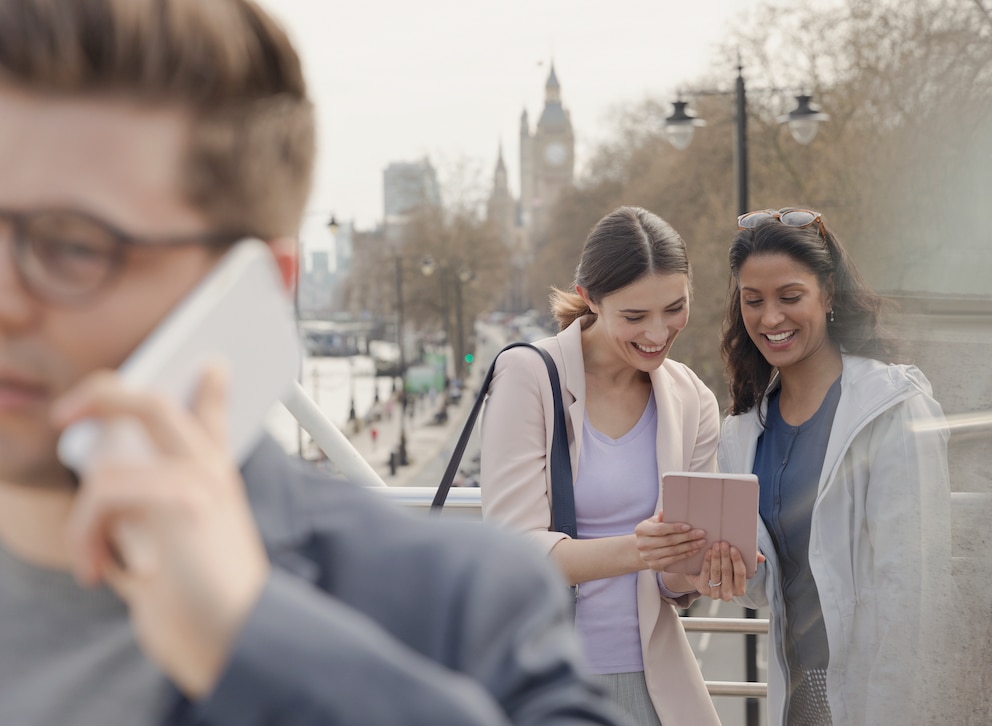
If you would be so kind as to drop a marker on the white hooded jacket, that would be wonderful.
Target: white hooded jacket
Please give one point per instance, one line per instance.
(879, 547)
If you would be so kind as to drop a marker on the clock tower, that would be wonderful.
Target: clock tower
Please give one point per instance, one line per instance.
(547, 168)
(547, 161)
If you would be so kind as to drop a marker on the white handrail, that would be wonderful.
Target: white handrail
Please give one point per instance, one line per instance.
(342, 455)
(470, 498)
(753, 626)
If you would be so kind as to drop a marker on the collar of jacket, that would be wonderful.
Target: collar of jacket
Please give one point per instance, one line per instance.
(566, 349)
(868, 387)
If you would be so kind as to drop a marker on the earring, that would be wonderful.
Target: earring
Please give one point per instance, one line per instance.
(831, 315)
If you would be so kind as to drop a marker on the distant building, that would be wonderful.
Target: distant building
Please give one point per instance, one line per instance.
(501, 210)
(407, 186)
(547, 168)
(316, 285)
(547, 161)
(323, 270)
(320, 263)
(344, 248)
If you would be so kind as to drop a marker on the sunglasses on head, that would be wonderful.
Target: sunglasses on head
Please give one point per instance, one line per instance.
(788, 217)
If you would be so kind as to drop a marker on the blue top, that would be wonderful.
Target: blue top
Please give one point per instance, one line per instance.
(788, 463)
(616, 488)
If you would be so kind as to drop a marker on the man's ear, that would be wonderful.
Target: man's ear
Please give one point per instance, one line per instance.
(284, 249)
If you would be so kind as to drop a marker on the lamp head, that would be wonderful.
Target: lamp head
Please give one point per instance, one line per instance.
(804, 119)
(680, 126)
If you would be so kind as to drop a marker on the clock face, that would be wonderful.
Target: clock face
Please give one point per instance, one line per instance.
(555, 153)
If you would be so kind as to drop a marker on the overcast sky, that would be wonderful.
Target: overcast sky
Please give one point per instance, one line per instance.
(396, 80)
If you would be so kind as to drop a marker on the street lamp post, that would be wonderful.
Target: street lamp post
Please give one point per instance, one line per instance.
(464, 275)
(803, 123)
(352, 414)
(741, 146)
(332, 226)
(398, 260)
(427, 267)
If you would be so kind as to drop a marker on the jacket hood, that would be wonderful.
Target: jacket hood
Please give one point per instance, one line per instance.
(867, 387)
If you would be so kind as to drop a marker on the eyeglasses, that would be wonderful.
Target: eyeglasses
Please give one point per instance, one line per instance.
(788, 217)
(64, 256)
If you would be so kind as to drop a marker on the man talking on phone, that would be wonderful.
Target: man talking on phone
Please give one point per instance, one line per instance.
(139, 139)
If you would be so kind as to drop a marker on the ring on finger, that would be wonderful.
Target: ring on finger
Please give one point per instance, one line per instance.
(714, 584)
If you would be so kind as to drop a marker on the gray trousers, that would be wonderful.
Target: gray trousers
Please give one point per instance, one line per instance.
(630, 692)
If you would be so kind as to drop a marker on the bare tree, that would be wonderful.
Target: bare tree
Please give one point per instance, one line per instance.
(902, 171)
(445, 260)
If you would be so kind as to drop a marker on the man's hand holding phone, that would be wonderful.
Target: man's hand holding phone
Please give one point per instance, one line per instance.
(162, 514)
(170, 531)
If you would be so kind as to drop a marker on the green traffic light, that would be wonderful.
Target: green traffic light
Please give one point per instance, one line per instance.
(469, 357)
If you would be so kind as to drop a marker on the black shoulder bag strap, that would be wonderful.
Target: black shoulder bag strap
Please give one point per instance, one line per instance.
(562, 493)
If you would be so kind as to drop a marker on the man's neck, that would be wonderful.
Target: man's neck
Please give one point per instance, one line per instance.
(33, 524)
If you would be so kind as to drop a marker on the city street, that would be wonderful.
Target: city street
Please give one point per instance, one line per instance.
(333, 383)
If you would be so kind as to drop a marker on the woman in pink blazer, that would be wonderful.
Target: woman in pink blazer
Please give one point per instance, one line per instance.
(633, 414)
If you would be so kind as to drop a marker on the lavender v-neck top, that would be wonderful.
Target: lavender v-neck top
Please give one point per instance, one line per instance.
(615, 489)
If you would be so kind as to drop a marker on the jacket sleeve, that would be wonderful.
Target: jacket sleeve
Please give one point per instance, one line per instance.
(756, 595)
(907, 515)
(728, 460)
(515, 445)
(304, 658)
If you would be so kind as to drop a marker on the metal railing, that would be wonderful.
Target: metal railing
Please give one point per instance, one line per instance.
(738, 626)
(725, 625)
(467, 500)
(342, 455)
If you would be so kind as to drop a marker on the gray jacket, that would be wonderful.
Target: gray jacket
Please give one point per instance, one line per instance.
(376, 616)
(879, 546)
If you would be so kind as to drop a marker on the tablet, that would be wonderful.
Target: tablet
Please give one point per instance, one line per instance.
(724, 505)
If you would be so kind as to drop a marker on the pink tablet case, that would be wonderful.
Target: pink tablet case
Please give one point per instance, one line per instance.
(725, 505)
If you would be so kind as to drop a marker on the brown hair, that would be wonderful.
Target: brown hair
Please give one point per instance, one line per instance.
(225, 62)
(621, 248)
(856, 324)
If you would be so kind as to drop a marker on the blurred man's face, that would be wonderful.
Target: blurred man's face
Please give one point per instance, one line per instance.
(120, 164)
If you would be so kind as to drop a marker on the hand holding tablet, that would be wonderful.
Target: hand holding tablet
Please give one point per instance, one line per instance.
(724, 505)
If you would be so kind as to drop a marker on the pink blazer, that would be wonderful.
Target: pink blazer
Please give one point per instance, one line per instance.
(516, 442)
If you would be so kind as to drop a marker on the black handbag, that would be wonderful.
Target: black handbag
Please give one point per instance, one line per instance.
(562, 493)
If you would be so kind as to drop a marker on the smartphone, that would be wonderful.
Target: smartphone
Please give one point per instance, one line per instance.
(241, 313)
(725, 505)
